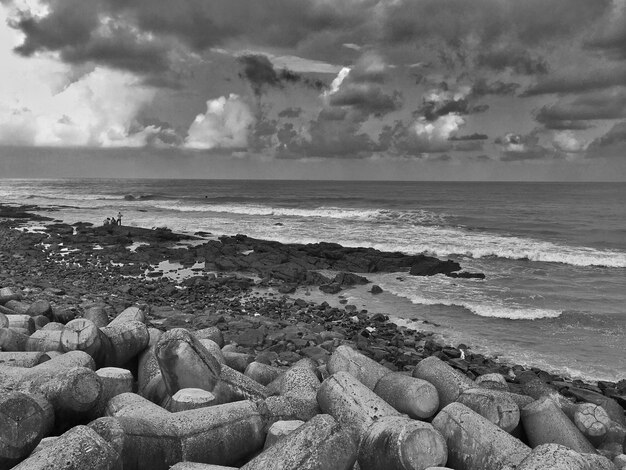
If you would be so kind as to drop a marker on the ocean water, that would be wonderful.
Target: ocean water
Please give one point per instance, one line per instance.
(554, 253)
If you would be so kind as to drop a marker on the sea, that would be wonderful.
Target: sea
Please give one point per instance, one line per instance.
(554, 254)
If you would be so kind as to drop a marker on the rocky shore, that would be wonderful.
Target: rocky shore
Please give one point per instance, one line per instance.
(275, 381)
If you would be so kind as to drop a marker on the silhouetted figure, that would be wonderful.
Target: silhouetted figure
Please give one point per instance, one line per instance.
(119, 218)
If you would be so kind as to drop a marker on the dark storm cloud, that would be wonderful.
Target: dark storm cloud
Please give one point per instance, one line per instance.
(610, 37)
(610, 145)
(586, 80)
(198, 24)
(530, 21)
(474, 136)
(517, 60)
(290, 113)
(608, 104)
(369, 100)
(259, 71)
(482, 88)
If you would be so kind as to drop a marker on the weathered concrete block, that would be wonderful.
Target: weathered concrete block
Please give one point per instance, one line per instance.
(557, 457)
(279, 430)
(364, 369)
(185, 362)
(262, 373)
(22, 323)
(448, 382)
(498, 408)
(97, 315)
(352, 404)
(23, 359)
(213, 333)
(128, 315)
(492, 382)
(319, 444)
(9, 293)
(281, 408)
(190, 399)
(475, 443)
(82, 447)
(24, 421)
(415, 397)
(400, 443)
(157, 439)
(11, 340)
(545, 423)
(237, 361)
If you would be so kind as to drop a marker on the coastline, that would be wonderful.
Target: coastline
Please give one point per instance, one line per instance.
(94, 265)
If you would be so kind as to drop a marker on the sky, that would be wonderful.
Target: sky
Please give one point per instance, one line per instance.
(314, 89)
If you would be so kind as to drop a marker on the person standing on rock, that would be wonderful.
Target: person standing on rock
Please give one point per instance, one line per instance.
(119, 218)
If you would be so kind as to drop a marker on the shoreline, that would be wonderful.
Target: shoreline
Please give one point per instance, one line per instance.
(197, 299)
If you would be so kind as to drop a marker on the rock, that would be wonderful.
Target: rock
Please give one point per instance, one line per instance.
(39, 307)
(376, 289)
(330, 288)
(428, 266)
(349, 279)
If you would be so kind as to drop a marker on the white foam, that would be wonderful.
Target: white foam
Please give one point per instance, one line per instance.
(373, 215)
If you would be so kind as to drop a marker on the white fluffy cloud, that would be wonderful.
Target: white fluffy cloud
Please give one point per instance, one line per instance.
(439, 130)
(226, 124)
(43, 103)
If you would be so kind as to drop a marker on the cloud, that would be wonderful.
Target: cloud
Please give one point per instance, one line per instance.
(568, 142)
(368, 100)
(359, 88)
(488, 21)
(517, 60)
(610, 145)
(574, 114)
(259, 71)
(482, 88)
(475, 136)
(610, 35)
(99, 109)
(421, 137)
(516, 147)
(226, 125)
(290, 112)
(577, 81)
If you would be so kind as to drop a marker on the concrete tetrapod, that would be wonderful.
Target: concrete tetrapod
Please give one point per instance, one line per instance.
(279, 430)
(319, 444)
(415, 397)
(63, 380)
(475, 443)
(157, 439)
(11, 340)
(400, 443)
(24, 421)
(94, 447)
(558, 457)
(498, 408)
(262, 373)
(185, 362)
(23, 359)
(352, 404)
(190, 399)
(545, 423)
(448, 382)
(365, 370)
